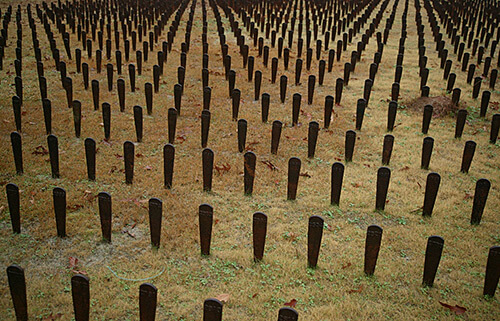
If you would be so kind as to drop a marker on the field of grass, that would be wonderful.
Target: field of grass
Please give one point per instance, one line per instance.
(337, 289)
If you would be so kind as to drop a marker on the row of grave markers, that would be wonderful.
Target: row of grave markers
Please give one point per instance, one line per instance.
(316, 223)
(80, 292)
(294, 167)
(242, 125)
(212, 308)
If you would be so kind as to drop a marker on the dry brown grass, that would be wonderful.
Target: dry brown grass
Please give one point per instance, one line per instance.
(256, 291)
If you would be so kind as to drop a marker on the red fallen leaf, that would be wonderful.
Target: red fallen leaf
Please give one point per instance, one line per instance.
(292, 303)
(216, 221)
(250, 147)
(290, 138)
(307, 115)
(74, 207)
(24, 113)
(306, 174)
(346, 266)
(457, 309)
(358, 290)
(138, 203)
(73, 261)
(118, 156)
(468, 196)
(40, 150)
(356, 185)
(338, 159)
(52, 317)
(304, 139)
(138, 155)
(88, 196)
(181, 139)
(222, 168)
(405, 168)
(253, 143)
(255, 294)
(367, 165)
(113, 169)
(270, 165)
(292, 236)
(125, 231)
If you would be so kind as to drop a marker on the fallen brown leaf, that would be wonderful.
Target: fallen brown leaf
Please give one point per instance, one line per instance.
(457, 309)
(346, 266)
(270, 165)
(73, 261)
(88, 196)
(40, 150)
(306, 174)
(74, 207)
(222, 168)
(32, 197)
(292, 303)
(106, 142)
(358, 290)
(125, 231)
(416, 210)
(224, 297)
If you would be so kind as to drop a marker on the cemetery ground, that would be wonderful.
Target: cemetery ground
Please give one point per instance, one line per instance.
(337, 289)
